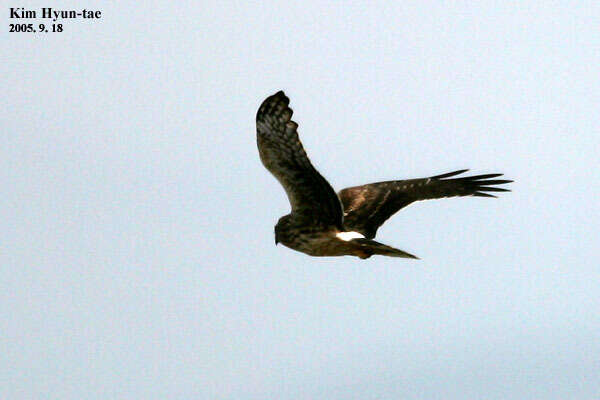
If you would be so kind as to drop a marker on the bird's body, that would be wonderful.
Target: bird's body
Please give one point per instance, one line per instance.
(321, 240)
(323, 223)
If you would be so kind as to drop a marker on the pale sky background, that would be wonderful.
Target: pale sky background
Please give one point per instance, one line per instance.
(136, 246)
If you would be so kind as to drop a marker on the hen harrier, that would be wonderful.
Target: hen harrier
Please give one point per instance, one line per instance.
(325, 224)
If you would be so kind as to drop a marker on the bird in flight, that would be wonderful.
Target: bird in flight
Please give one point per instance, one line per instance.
(323, 223)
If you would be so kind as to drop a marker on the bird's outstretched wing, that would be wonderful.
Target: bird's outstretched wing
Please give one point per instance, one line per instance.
(283, 155)
(367, 207)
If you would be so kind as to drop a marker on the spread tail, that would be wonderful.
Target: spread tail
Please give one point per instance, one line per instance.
(370, 247)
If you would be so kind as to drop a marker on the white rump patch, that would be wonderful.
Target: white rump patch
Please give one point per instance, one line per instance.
(347, 236)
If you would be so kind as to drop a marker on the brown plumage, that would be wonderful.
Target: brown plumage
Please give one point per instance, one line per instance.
(322, 223)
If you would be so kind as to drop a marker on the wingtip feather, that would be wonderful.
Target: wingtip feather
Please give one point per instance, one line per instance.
(494, 182)
(493, 189)
(484, 176)
(449, 174)
(481, 194)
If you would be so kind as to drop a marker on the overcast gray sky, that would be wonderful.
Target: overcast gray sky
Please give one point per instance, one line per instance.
(137, 253)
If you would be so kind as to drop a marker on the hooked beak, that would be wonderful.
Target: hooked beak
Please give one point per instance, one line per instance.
(276, 241)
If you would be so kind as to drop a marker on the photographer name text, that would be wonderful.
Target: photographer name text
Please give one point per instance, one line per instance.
(54, 16)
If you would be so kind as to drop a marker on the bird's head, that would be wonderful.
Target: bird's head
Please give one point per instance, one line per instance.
(281, 228)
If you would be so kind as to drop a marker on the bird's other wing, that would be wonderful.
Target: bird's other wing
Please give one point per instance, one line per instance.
(283, 155)
(367, 207)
